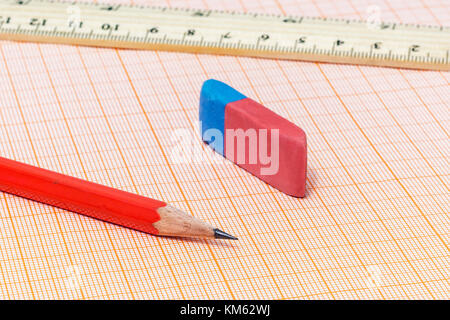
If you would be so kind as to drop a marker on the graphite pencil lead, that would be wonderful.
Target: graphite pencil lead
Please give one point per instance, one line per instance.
(219, 234)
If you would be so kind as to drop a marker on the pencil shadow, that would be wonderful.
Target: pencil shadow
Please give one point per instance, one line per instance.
(213, 242)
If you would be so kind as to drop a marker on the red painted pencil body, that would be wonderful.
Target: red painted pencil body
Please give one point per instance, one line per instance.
(88, 198)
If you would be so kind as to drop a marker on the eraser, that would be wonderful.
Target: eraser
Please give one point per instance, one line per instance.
(254, 137)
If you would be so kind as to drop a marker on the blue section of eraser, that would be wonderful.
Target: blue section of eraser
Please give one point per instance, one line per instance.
(214, 97)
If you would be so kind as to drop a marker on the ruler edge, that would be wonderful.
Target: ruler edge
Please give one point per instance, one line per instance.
(299, 56)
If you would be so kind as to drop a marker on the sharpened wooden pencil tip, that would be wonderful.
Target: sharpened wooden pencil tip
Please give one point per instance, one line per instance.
(175, 222)
(219, 234)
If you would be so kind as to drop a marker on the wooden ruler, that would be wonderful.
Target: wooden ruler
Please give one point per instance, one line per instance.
(230, 33)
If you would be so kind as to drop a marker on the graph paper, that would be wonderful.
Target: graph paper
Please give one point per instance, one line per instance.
(375, 220)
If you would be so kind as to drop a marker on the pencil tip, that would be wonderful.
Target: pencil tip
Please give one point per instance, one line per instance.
(219, 234)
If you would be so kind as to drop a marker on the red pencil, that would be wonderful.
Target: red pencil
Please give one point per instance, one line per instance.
(101, 202)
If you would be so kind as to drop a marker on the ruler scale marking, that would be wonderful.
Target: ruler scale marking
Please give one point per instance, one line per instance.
(58, 14)
(232, 33)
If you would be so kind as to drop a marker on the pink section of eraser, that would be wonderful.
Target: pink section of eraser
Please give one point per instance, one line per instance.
(266, 145)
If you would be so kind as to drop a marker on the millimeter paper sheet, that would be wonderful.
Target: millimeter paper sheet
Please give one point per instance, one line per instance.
(374, 223)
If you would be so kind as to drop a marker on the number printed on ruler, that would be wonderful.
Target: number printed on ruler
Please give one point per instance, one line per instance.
(218, 32)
